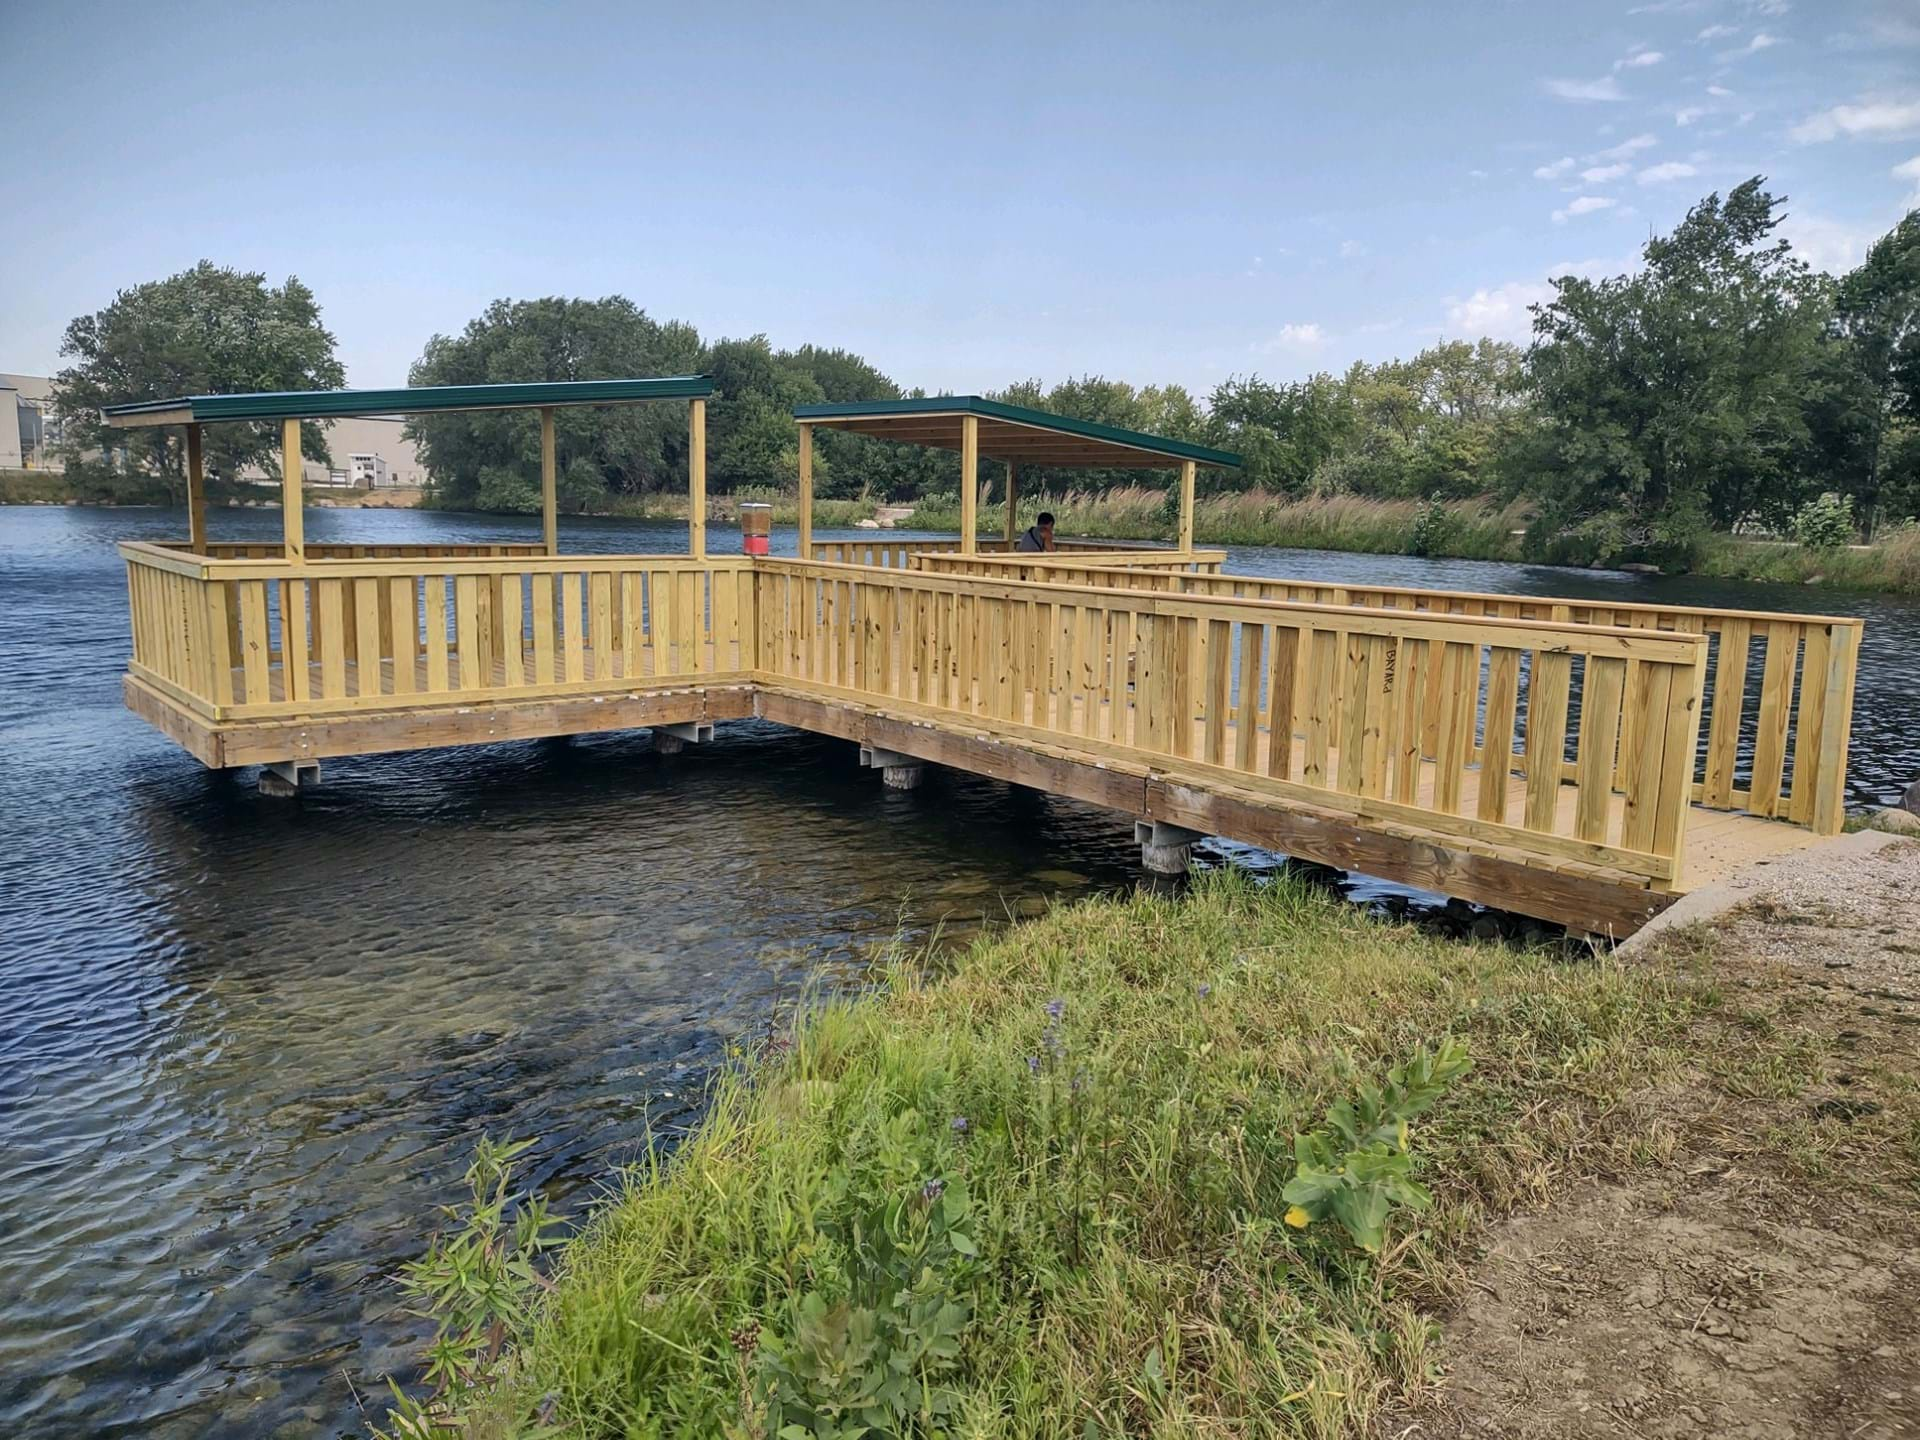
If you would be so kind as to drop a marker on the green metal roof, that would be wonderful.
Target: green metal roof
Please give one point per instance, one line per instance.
(420, 400)
(1000, 438)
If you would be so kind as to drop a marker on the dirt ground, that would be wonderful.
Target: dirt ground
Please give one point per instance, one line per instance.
(1764, 1280)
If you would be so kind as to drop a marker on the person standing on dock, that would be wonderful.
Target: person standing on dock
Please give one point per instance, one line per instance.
(1039, 536)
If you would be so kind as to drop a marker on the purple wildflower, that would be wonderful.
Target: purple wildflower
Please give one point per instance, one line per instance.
(960, 1126)
(932, 1190)
(1033, 1064)
(1056, 1008)
(1203, 990)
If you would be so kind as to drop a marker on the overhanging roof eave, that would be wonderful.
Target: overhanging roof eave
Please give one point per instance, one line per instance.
(415, 400)
(1106, 445)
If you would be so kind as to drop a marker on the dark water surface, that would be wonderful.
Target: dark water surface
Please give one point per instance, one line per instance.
(246, 1046)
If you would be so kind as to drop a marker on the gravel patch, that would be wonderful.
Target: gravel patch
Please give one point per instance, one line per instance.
(1853, 901)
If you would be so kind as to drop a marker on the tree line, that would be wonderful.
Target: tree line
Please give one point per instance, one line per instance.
(1723, 384)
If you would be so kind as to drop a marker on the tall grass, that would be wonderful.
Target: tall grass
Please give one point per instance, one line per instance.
(841, 514)
(81, 485)
(1102, 1105)
(1471, 529)
(1891, 563)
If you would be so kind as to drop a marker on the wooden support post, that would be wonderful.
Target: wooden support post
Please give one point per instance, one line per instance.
(697, 479)
(1187, 470)
(292, 519)
(1013, 494)
(196, 493)
(549, 484)
(806, 492)
(969, 484)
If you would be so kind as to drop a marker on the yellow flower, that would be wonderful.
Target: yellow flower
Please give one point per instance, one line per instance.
(1297, 1218)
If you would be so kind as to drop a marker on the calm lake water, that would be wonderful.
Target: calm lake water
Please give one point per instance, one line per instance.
(246, 1046)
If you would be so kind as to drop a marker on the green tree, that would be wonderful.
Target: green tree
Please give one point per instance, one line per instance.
(1676, 396)
(492, 458)
(206, 331)
(1284, 433)
(1427, 427)
(1876, 422)
(1157, 410)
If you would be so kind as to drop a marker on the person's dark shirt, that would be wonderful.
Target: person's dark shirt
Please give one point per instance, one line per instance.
(1030, 543)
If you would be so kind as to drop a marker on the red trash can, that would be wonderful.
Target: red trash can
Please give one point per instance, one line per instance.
(756, 527)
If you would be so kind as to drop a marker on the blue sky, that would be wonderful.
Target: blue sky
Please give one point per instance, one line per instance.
(966, 195)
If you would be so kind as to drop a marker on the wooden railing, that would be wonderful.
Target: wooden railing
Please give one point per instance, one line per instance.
(889, 554)
(902, 554)
(1376, 714)
(246, 639)
(1028, 566)
(274, 550)
(1779, 694)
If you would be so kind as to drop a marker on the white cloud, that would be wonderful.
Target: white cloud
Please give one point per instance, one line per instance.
(1762, 41)
(1555, 170)
(1879, 119)
(1351, 249)
(1638, 59)
(1295, 337)
(1478, 174)
(1661, 174)
(1834, 246)
(1499, 312)
(1605, 88)
(1584, 205)
(1909, 170)
(1601, 174)
(1719, 92)
(1689, 114)
(1623, 149)
(1895, 30)
(1717, 32)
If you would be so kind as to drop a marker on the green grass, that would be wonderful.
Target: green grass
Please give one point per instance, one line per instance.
(1469, 529)
(1890, 564)
(827, 514)
(1132, 1272)
(51, 487)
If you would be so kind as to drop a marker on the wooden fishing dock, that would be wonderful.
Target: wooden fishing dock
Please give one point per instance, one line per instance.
(1580, 762)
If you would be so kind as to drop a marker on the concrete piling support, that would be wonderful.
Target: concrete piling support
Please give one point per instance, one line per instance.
(284, 778)
(1165, 849)
(897, 771)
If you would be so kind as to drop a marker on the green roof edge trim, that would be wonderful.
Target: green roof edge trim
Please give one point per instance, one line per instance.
(419, 400)
(1020, 414)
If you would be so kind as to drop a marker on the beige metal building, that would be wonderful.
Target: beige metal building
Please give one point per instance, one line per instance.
(368, 454)
(29, 430)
